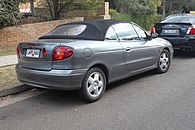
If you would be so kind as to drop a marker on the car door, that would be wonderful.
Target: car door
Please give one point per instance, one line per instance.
(115, 57)
(139, 52)
(149, 48)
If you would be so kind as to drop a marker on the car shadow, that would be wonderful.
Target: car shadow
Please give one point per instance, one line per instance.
(183, 55)
(59, 98)
(73, 98)
(130, 80)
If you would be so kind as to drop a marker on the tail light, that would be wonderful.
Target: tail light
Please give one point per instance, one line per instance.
(191, 30)
(18, 51)
(44, 52)
(61, 52)
(153, 30)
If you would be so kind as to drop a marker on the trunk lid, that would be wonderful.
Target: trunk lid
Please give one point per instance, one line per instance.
(33, 55)
(172, 29)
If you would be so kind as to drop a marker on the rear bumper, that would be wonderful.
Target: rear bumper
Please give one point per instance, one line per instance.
(182, 43)
(53, 79)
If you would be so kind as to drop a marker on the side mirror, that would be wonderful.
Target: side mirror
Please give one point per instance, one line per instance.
(154, 35)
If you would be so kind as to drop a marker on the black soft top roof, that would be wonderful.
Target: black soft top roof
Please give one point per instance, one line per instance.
(95, 30)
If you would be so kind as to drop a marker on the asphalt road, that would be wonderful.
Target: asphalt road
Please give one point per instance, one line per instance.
(145, 102)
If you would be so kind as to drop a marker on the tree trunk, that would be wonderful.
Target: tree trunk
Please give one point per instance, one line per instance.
(32, 8)
(50, 9)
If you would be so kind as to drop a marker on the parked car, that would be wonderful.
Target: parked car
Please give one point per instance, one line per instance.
(88, 55)
(179, 29)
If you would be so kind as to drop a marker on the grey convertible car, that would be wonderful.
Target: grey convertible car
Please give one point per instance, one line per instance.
(88, 55)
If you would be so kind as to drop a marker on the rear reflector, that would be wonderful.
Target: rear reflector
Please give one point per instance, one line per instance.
(191, 30)
(61, 52)
(153, 30)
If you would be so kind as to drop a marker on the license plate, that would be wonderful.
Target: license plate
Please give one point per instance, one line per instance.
(32, 53)
(171, 31)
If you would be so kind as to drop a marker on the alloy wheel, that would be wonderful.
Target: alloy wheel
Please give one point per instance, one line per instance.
(164, 61)
(95, 84)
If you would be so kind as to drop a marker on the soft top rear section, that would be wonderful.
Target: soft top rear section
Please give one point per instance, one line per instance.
(95, 30)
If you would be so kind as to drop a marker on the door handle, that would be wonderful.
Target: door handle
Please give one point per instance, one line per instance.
(128, 49)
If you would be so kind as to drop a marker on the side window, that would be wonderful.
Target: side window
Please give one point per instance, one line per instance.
(111, 35)
(140, 32)
(125, 31)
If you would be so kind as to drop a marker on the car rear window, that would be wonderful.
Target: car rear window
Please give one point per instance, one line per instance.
(69, 30)
(180, 19)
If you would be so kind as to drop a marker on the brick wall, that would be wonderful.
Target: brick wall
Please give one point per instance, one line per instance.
(10, 36)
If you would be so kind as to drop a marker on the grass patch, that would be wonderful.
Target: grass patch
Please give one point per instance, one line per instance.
(8, 76)
(7, 51)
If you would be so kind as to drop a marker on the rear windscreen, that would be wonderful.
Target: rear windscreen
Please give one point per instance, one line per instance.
(68, 30)
(180, 19)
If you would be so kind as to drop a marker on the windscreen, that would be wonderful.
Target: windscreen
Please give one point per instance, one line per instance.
(180, 19)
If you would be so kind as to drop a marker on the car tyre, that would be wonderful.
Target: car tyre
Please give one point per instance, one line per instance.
(94, 85)
(164, 62)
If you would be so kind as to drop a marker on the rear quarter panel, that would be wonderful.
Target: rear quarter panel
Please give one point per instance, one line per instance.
(107, 53)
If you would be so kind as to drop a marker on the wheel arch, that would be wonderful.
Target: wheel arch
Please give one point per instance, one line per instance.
(103, 68)
(166, 48)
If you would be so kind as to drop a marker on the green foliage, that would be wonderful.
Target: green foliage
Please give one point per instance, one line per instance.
(147, 21)
(8, 12)
(142, 12)
(144, 20)
(58, 8)
(179, 6)
(119, 16)
(90, 4)
(138, 7)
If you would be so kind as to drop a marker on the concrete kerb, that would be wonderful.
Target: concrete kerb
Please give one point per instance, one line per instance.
(13, 89)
